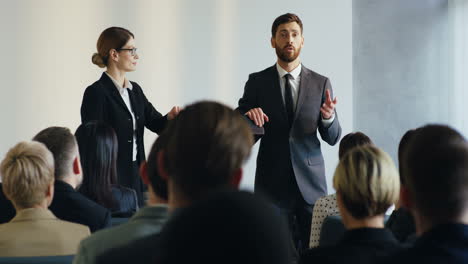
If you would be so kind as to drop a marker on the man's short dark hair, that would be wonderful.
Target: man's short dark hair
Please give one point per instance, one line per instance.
(351, 141)
(284, 19)
(435, 171)
(62, 143)
(404, 142)
(159, 184)
(208, 143)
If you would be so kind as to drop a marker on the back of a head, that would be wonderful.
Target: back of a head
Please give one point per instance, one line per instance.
(97, 143)
(61, 142)
(404, 142)
(27, 171)
(228, 227)
(158, 184)
(367, 181)
(208, 143)
(351, 141)
(435, 171)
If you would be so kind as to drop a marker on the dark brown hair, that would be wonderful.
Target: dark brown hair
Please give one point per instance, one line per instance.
(284, 19)
(209, 142)
(98, 147)
(159, 184)
(435, 171)
(404, 142)
(351, 141)
(111, 38)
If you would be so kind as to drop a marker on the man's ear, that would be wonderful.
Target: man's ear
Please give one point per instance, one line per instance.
(273, 43)
(236, 178)
(76, 166)
(50, 193)
(144, 172)
(162, 166)
(405, 198)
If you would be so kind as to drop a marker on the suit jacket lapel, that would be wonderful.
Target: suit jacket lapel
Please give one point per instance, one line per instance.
(110, 86)
(304, 90)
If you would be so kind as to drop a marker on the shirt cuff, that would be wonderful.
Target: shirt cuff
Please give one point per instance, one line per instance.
(327, 122)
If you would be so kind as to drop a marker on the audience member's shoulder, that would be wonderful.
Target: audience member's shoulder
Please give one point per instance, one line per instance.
(317, 255)
(260, 74)
(74, 227)
(142, 250)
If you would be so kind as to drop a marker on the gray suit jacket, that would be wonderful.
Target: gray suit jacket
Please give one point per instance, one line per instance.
(147, 221)
(298, 148)
(37, 232)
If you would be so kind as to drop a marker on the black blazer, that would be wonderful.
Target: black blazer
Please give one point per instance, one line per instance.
(126, 199)
(72, 206)
(7, 211)
(299, 147)
(102, 101)
(360, 246)
(443, 244)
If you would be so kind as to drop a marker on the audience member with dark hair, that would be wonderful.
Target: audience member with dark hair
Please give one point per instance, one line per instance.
(208, 144)
(7, 211)
(367, 184)
(147, 221)
(68, 204)
(401, 222)
(435, 183)
(326, 205)
(28, 181)
(229, 228)
(97, 143)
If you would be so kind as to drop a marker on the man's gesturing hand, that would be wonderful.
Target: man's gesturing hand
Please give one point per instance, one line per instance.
(328, 108)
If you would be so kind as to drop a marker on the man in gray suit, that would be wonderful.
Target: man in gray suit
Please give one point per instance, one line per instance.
(291, 102)
(147, 221)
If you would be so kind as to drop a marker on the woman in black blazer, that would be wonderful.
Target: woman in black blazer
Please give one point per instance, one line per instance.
(122, 104)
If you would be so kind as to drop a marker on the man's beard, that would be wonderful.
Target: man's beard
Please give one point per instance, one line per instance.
(284, 56)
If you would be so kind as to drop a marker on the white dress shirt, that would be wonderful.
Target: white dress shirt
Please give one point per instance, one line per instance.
(124, 93)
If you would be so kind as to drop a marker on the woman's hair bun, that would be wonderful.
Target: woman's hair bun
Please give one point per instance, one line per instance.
(98, 60)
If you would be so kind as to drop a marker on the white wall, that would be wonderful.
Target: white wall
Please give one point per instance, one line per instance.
(189, 50)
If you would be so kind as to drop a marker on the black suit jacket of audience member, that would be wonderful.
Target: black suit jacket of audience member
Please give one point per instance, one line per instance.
(7, 211)
(401, 223)
(72, 206)
(102, 101)
(363, 245)
(126, 199)
(444, 244)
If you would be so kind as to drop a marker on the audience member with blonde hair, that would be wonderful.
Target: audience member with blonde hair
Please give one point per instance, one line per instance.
(367, 184)
(28, 181)
(326, 205)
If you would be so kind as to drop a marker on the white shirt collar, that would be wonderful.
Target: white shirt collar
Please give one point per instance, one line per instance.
(127, 84)
(294, 73)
